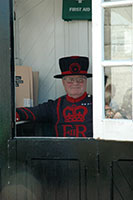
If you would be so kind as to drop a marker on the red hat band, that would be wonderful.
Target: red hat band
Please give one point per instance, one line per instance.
(69, 72)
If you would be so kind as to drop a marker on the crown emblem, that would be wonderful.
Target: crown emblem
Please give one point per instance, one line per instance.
(75, 113)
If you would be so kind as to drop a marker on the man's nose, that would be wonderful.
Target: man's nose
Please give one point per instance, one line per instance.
(75, 81)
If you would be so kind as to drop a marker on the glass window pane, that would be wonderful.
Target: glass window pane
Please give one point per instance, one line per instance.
(118, 92)
(118, 37)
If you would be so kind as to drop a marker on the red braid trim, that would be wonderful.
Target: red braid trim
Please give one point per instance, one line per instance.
(27, 117)
(17, 117)
(34, 118)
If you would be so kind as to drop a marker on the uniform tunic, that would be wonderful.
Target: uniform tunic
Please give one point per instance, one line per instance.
(71, 117)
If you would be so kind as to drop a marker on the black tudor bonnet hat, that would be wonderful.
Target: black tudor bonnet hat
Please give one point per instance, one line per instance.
(73, 65)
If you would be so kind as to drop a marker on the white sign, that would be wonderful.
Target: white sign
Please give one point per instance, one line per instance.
(80, 1)
(79, 9)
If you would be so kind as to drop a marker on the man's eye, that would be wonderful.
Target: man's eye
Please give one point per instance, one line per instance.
(71, 79)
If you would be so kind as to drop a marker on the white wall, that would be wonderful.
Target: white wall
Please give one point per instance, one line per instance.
(42, 37)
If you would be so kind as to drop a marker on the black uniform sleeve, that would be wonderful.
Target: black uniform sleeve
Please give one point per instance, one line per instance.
(42, 112)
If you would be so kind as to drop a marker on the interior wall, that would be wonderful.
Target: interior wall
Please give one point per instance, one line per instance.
(42, 37)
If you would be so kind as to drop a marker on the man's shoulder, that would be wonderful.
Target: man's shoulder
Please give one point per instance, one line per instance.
(57, 99)
(61, 97)
(89, 96)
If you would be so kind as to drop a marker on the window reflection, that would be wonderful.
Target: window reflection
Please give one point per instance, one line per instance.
(118, 27)
(118, 92)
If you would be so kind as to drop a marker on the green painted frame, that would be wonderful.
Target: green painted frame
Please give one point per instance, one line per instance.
(6, 86)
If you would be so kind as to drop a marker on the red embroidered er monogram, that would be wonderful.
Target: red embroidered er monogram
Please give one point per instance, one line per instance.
(74, 113)
(74, 130)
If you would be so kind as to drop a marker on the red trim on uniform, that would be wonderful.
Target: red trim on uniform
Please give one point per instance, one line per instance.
(69, 72)
(58, 117)
(25, 113)
(34, 118)
(72, 100)
(17, 117)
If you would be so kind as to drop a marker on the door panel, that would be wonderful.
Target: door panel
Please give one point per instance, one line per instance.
(59, 179)
(123, 179)
(74, 169)
(56, 168)
(115, 170)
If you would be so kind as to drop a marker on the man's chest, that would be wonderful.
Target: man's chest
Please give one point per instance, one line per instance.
(74, 119)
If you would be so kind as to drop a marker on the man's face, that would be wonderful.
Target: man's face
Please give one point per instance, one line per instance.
(75, 85)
